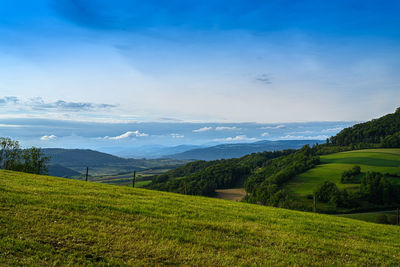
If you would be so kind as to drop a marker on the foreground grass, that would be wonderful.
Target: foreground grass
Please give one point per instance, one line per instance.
(55, 221)
(333, 165)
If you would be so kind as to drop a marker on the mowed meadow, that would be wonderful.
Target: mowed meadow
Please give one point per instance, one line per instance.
(54, 221)
(333, 165)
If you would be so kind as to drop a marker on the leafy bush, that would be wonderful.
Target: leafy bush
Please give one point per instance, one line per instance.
(382, 218)
(350, 176)
(392, 219)
(327, 191)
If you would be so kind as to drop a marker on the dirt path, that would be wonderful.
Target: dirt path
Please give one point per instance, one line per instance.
(233, 194)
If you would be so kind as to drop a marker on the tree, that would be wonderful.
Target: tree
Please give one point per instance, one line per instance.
(30, 160)
(34, 161)
(327, 191)
(10, 153)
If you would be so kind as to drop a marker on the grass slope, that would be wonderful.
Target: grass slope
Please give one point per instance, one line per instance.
(46, 220)
(333, 165)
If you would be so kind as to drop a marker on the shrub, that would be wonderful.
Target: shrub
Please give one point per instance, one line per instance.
(393, 219)
(381, 218)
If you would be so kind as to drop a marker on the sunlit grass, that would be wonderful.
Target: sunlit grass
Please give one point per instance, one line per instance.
(46, 220)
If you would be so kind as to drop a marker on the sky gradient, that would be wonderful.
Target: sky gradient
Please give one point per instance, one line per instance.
(234, 61)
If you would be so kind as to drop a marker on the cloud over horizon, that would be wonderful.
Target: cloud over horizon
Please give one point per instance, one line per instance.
(203, 129)
(127, 135)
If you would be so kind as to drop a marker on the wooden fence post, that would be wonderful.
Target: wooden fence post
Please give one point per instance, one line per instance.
(134, 179)
(314, 203)
(87, 173)
(39, 165)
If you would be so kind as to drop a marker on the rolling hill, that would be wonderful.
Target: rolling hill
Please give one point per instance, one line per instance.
(228, 151)
(101, 163)
(54, 221)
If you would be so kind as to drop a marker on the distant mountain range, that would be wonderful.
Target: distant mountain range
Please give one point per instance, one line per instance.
(226, 151)
(148, 151)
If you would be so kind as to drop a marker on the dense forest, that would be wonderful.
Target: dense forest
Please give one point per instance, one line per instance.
(265, 184)
(203, 177)
(384, 132)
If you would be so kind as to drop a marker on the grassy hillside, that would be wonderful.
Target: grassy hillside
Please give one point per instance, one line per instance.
(46, 220)
(333, 165)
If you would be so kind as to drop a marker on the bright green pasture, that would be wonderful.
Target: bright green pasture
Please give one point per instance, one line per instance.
(333, 165)
(54, 221)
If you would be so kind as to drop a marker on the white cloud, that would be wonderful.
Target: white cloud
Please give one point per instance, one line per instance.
(264, 134)
(128, 134)
(273, 127)
(237, 138)
(302, 137)
(48, 137)
(175, 135)
(331, 130)
(226, 128)
(204, 129)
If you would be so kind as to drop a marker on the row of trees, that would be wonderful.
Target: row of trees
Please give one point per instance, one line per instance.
(13, 157)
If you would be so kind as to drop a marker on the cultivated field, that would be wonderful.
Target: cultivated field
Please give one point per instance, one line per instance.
(55, 221)
(233, 194)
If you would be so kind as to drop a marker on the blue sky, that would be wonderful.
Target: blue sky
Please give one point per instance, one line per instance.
(122, 62)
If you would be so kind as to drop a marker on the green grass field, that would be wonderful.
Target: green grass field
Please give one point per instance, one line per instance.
(333, 165)
(55, 221)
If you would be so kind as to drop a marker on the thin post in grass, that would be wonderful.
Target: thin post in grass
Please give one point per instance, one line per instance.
(87, 173)
(314, 203)
(185, 188)
(134, 179)
(39, 166)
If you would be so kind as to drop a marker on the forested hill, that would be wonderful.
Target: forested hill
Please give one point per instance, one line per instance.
(383, 132)
(203, 177)
(228, 151)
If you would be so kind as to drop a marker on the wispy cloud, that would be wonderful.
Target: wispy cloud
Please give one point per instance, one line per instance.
(48, 137)
(61, 105)
(227, 128)
(175, 135)
(237, 138)
(303, 137)
(264, 134)
(39, 104)
(332, 130)
(203, 129)
(264, 78)
(8, 100)
(129, 134)
(281, 126)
